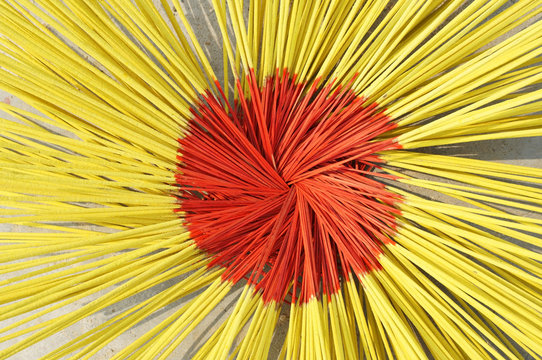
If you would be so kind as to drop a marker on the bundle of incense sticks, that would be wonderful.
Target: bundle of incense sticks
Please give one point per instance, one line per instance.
(297, 178)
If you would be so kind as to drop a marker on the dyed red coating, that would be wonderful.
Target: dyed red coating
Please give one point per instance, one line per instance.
(281, 187)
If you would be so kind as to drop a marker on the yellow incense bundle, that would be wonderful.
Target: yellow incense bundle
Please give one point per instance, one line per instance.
(306, 186)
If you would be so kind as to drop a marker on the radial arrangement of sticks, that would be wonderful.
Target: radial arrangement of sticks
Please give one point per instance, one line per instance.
(302, 180)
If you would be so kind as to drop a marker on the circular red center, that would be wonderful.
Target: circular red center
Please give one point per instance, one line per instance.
(280, 187)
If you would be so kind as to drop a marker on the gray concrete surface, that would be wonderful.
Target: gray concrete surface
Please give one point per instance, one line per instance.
(526, 152)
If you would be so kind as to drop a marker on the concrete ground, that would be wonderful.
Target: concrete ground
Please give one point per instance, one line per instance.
(527, 152)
